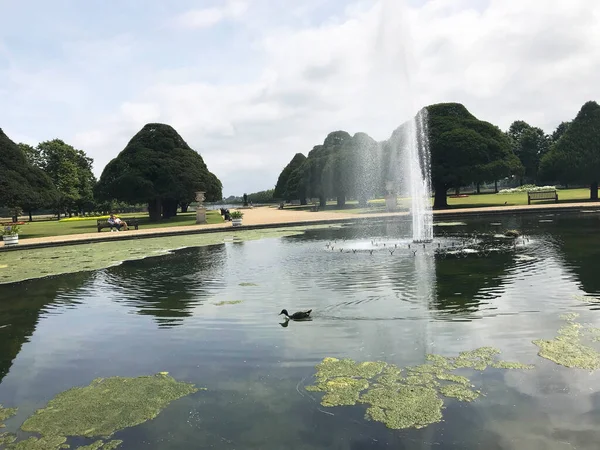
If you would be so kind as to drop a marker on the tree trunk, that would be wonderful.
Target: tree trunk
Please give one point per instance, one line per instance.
(594, 191)
(496, 186)
(154, 209)
(341, 201)
(479, 188)
(322, 201)
(169, 208)
(30, 215)
(457, 191)
(184, 207)
(440, 200)
(303, 201)
(15, 218)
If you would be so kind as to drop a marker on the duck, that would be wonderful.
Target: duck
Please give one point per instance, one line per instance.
(300, 315)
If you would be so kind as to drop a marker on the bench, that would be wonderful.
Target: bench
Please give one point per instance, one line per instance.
(314, 207)
(131, 222)
(542, 195)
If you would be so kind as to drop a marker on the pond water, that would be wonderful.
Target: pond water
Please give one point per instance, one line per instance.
(209, 316)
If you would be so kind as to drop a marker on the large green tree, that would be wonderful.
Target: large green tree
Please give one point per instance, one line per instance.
(159, 168)
(22, 185)
(575, 157)
(71, 172)
(466, 150)
(281, 188)
(530, 144)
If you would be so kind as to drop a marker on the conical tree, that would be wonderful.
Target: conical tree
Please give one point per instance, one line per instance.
(22, 184)
(159, 168)
(575, 157)
(281, 191)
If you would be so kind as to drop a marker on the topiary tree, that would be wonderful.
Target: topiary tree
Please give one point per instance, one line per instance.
(281, 188)
(575, 157)
(466, 150)
(159, 168)
(22, 185)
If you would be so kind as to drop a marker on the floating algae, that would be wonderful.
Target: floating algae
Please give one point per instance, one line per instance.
(39, 262)
(403, 398)
(7, 438)
(230, 302)
(567, 349)
(107, 405)
(403, 406)
(248, 284)
(6, 413)
(460, 392)
(42, 443)
(99, 445)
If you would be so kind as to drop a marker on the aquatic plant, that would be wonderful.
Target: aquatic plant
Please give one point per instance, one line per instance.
(568, 349)
(107, 405)
(41, 262)
(100, 445)
(403, 398)
(248, 284)
(7, 438)
(6, 413)
(42, 443)
(228, 302)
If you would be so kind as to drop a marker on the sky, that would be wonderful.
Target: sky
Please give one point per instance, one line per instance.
(249, 83)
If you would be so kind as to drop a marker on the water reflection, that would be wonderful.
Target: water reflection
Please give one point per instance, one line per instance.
(168, 287)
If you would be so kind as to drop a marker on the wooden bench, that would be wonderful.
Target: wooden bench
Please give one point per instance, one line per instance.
(131, 222)
(542, 195)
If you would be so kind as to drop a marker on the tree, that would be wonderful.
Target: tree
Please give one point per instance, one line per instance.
(466, 150)
(560, 130)
(21, 184)
(296, 185)
(281, 188)
(530, 144)
(575, 157)
(262, 196)
(71, 172)
(159, 168)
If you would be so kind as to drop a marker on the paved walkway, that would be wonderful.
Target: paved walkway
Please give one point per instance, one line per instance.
(266, 217)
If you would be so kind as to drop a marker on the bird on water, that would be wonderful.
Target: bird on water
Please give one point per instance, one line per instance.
(300, 315)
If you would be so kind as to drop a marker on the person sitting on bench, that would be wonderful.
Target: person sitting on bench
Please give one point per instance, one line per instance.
(117, 223)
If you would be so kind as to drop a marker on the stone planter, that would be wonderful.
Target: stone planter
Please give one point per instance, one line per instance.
(12, 239)
(236, 222)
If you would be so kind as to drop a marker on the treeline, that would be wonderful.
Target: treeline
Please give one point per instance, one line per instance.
(157, 168)
(464, 151)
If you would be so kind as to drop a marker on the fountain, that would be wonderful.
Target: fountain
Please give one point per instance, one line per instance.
(417, 173)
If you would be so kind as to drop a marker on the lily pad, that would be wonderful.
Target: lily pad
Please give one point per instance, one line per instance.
(107, 405)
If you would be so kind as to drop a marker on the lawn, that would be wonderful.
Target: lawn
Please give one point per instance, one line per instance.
(471, 201)
(45, 228)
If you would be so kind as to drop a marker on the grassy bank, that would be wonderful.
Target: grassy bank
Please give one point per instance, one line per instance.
(60, 228)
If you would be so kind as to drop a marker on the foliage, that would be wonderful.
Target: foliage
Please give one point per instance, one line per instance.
(262, 197)
(236, 214)
(530, 144)
(71, 173)
(12, 230)
(575, 157)
(281, 188)
(159, 168)
(466, 150)
(560, 130)
(21, 184)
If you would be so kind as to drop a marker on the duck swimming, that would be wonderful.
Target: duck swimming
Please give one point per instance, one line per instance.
(300, 315)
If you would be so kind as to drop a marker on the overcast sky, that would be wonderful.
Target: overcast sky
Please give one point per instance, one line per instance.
(249, 83)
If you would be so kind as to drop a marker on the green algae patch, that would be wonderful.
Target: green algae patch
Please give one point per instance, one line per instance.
(403, 406)
(100, 445)
(568, 349)
(42, 443)
(107, 405)
(6, 413)
(342, 391)
(248, 284)
(7, 438)
(229, 302)
(42, 262)
(460, 392)
(511, 365)
(403, 398)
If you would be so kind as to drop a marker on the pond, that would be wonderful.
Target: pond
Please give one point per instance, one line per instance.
(208, 318)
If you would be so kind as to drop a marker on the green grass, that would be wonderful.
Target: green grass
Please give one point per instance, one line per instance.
(46, 228)
(472, 201)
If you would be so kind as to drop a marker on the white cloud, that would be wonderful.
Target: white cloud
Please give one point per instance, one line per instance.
(208, 17)
(282, 78)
